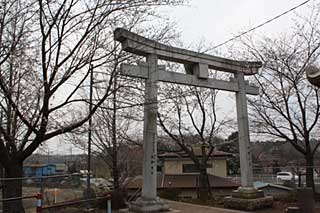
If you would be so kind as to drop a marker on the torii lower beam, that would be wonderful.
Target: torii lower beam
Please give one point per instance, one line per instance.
(185, 79)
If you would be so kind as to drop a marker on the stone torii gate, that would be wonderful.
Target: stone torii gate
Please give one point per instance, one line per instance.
(198, 76)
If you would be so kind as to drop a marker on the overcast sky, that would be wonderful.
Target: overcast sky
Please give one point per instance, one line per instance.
(216, 21)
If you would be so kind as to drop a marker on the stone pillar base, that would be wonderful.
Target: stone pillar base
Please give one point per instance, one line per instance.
(248, 198)
(248, 204)
(142, 205)
(247, 193)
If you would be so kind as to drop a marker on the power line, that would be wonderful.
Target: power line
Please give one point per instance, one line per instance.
(231, 39)
(260, 25)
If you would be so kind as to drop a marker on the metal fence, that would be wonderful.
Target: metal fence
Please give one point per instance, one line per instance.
(272, 178)
(45, 193)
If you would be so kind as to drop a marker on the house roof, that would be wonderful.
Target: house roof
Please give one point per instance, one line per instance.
(182, 181)
(35, 165)
(196, 151)
(261, 185)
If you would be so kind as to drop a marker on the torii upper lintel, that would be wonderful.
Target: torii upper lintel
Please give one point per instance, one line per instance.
(140, 45)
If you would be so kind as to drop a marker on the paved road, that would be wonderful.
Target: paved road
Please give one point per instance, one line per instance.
(192, 208)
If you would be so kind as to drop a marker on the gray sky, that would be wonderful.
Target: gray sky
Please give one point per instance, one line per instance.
(216, 21)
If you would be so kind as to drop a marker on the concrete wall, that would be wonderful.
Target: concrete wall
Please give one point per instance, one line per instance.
(190, 193)
(193, 193)
(174, 166)
(219, 168)
(277, 193)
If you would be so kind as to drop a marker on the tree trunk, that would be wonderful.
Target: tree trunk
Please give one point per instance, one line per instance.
(115, 169)
(203, 184)
(13, 189)
(309, 170)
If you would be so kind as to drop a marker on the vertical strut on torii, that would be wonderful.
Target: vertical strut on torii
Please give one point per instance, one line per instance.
(198, 65)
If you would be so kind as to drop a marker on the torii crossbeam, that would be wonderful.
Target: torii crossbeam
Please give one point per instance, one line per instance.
(199, 65)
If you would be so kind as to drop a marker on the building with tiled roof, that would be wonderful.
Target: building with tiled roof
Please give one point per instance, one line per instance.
(179, 174)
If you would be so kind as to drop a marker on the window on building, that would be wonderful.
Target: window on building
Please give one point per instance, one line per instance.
(192, 168)
(189, 168)
(159, 168)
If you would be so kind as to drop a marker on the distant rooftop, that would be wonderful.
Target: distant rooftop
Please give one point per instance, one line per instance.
(37, 165)
(196, 151)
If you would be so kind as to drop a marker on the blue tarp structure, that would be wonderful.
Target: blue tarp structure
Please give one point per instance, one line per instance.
(36, 170)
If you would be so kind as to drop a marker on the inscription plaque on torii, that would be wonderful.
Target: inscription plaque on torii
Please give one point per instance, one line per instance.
(198, 65)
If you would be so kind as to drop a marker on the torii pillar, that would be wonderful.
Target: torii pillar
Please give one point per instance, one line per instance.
(149, 202)
(243, 133)
(150, 130)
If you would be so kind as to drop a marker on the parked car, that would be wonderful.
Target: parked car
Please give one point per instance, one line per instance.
(282, 176)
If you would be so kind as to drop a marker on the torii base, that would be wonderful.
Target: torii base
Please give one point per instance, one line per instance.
(249, 199)
(142, 205)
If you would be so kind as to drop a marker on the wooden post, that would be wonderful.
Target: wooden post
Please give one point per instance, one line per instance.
(243, 133)
(39, 203)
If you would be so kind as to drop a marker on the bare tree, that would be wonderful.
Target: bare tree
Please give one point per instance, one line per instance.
(110, 135)
(114, 128)
(288, 106)
(46, 50)
(189, 118)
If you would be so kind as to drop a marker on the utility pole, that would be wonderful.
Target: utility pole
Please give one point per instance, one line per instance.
(48, 156)
(114, 136)
(1, 167)
(89, 132)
